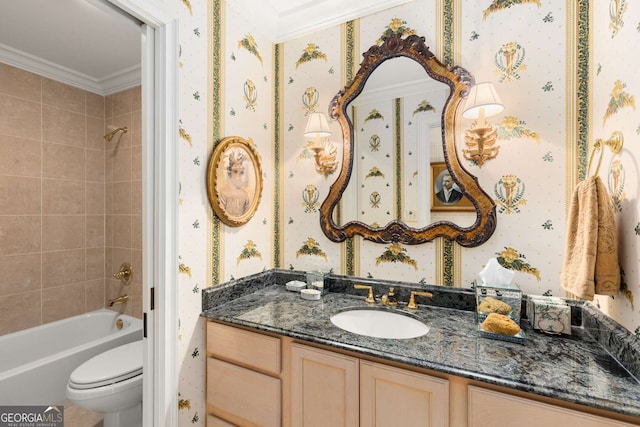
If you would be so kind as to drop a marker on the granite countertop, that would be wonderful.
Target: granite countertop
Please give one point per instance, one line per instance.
(572, 368)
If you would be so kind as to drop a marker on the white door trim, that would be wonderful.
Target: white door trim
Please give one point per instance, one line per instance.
(160, 208)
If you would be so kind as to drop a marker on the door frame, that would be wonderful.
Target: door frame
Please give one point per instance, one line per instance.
(159, 208)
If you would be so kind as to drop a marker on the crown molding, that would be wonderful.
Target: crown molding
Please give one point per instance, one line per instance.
(116, 82)
(320, 15)
(307, 18)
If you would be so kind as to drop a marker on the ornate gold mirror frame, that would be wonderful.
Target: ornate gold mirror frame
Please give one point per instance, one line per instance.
(459, 81)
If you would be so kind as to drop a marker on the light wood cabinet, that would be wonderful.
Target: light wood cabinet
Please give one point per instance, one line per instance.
(325, 392)
(324, 388)
(489, 408)
(397, 397)
(243, 383)
(213, 421)
(255, 379)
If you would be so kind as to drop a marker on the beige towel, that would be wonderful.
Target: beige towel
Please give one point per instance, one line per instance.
(591, 253)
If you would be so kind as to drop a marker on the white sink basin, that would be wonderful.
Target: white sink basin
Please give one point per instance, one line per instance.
(379, 324)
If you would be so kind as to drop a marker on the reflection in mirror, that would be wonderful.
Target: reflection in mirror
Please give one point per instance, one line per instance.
(397, 137)
(398, 123)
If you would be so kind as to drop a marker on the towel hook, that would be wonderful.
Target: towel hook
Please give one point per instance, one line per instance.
(615, 143)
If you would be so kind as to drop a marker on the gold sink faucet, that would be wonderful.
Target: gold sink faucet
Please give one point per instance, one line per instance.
(412, 301)
(390, 299)
(370, 299)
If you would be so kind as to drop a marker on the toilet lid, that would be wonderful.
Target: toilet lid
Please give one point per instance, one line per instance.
(112, 366)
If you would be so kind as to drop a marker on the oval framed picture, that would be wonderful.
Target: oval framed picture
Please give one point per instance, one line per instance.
(234, 180)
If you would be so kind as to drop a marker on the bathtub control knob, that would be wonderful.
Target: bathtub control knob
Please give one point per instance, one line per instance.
(125, 273)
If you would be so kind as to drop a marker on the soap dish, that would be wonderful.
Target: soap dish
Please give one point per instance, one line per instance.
(295, 285)
(310, 294)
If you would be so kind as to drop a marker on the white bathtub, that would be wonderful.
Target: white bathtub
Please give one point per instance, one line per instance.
(35, 363)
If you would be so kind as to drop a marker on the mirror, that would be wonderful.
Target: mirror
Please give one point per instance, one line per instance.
(397, 139)
(398, 124)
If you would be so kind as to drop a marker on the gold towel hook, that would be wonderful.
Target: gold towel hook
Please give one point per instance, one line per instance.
(615, 143)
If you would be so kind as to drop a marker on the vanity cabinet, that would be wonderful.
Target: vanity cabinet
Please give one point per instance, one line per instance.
(332, 389)
(488, 408)
(255, 379)
(243, 377)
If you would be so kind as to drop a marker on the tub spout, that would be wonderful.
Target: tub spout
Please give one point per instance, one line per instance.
(120, 300)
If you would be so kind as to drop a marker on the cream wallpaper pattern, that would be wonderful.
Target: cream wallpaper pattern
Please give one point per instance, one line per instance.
(193, 211)
(615, 90)
(527, 64)
(531, 178)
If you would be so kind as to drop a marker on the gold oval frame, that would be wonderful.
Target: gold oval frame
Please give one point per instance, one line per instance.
(217, 180)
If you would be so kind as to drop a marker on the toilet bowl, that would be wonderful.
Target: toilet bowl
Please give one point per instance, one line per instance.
(111, 383)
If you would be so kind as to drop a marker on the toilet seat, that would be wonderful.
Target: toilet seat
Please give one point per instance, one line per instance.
(112, 366)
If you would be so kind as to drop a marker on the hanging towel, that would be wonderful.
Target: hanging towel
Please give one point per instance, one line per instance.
(590, 264)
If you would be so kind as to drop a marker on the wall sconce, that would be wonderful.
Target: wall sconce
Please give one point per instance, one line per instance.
(324, 151)
(483, 101)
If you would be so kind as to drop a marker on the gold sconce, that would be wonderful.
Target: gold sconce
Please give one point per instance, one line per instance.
(324, 151)
(483, 102)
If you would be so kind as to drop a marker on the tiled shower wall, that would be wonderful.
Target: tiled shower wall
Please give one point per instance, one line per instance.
(56, 237)
(123, 195)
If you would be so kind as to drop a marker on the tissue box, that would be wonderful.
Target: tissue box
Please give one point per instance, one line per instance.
(504, 300)
(549, 314)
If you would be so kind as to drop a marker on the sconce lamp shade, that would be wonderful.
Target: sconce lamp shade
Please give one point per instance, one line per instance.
(317, 125)
(483, 98)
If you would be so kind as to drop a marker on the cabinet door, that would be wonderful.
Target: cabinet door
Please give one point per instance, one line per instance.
(324, 388)
(391, 397)
(493, 409)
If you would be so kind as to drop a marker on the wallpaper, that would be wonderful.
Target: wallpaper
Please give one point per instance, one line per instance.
(193, 211)
(614, 90)
(247, 86)
(247, 107)
(527, 180)
(311, 68)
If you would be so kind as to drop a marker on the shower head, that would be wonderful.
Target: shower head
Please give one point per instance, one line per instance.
(111, 134)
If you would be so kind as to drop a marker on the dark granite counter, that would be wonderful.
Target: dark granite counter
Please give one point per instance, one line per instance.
(575, 368)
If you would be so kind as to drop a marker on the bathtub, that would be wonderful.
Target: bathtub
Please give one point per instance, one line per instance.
(35, 363)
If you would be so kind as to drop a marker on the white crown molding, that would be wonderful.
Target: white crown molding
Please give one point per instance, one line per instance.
(320, 15)
(111, 84)
(123, 80)
(307, 18)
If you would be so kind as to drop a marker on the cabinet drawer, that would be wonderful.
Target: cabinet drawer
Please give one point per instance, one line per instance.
(494, 409)
(243, 394)
(213, 421)
(257, 351)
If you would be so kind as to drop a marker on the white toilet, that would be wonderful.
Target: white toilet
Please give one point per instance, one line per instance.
(111, 383)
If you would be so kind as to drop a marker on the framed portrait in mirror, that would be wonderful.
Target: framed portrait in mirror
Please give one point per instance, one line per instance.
(445, 193)
(234, 180)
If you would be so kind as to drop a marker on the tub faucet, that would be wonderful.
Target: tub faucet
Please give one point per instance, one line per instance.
(120, 300)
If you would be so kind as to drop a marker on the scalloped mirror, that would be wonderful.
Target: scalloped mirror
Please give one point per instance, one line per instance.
(398, 120)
